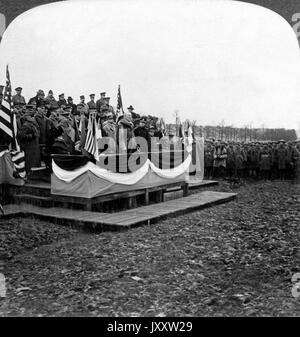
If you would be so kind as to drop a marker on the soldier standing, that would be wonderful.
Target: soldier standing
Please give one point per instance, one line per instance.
(100, 102)
(91, 104)
(18, 100)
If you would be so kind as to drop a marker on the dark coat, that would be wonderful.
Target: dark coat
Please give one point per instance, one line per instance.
(28, 136)
(43, 124)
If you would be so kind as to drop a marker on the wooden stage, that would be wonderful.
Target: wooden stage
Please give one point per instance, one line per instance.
(101, 221)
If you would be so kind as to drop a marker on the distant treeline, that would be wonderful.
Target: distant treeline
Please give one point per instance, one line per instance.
(228, 133)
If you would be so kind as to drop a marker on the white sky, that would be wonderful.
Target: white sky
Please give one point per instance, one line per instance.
(212, 61)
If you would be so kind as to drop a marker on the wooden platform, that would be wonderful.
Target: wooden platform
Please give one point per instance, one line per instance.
(120, 220)
(199, 183)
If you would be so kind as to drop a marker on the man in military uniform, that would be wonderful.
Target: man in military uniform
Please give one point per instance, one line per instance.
(100, 101)
(91, 104)
(18, 100)
(107, 108)
(61, 101)
(50, 101)
(72, 106)
(131, 111)
(82, 107)
(38, 100)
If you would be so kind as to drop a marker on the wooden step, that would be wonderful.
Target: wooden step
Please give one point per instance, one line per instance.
(125, 219)
(33, 200)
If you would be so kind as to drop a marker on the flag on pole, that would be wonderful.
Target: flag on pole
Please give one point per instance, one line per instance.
(5, 109)
(8, 123)
(91, 143)
(120, 110)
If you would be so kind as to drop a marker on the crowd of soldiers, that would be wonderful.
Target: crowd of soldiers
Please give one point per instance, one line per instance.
(266, 160)
(46, 125)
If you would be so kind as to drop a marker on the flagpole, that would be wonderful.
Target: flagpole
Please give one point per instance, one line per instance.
(8, 92)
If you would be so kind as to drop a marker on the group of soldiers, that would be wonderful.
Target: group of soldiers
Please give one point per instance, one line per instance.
(47, 126)
(255, 160)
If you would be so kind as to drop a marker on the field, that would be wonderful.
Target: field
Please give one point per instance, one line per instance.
(235, 259)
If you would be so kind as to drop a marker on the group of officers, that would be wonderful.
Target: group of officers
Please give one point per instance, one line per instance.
(46, 125)
(267, 160)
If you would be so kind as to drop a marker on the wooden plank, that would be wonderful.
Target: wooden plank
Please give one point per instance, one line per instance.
(125, 219)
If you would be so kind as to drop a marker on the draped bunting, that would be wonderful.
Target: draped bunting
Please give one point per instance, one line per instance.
(120, 178)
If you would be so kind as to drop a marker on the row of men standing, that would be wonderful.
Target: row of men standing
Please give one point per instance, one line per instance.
(102, 105)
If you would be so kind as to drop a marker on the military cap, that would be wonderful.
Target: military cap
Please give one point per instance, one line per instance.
(81, 97)
(102, 93)
(70, 98)
(61, 95)
(40, 92)
(18, 88)
(130, 107)
(92, 95)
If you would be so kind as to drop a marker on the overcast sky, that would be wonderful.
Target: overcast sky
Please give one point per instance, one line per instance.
(211, 61)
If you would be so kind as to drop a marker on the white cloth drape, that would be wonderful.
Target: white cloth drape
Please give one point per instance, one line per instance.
(121, 178)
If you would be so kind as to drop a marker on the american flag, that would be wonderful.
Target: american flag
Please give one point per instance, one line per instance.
(91, 143)
(120, 104)
(8, 123)
(5, 109)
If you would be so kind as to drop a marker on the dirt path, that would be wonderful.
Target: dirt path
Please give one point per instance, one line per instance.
(233, 259)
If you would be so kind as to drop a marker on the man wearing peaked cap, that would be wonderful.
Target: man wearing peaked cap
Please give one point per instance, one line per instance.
(39, 99)
(100, 101)
(92, 104)
(82, 107)
(18, 100)
(62, 101)
(50, 102)
(72, 105)
(106, 107)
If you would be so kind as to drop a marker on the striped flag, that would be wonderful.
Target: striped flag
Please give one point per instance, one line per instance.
(18, 158)
(91, 143)
(5, 109)
(8, 123)
(120, 110)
